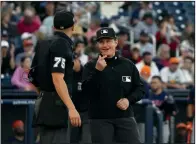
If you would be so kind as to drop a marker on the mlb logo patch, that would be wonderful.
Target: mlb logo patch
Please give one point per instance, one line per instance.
(126, 78)
(104, 31)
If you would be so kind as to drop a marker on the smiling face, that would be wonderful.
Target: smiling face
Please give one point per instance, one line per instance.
(107, 46)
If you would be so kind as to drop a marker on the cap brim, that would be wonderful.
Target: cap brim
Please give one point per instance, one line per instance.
(174, 63)
(4, 46)
(105, 37)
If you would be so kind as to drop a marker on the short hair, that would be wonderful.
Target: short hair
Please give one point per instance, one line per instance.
(160, 49)
(146, 54)
(78, 42)
(23, 58)
(157, 77)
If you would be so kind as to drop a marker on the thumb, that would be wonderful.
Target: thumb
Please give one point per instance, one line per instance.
(99, 57)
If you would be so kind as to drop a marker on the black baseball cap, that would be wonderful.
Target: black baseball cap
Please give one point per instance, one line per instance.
(106, 32)
(63, 20)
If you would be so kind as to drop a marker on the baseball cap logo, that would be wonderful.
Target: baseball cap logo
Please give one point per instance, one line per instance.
(104, 31)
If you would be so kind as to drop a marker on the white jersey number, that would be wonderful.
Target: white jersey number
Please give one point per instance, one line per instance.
(59, 60)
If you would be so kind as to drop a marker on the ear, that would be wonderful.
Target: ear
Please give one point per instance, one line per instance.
(73, 28)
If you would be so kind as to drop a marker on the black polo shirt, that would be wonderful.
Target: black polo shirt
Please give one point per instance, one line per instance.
(58, 59)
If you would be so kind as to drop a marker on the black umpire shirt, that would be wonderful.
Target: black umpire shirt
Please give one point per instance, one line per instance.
(53, 55)
(119, 79)
(56, 56)
(79, 100)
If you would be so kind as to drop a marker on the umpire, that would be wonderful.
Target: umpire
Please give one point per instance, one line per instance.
(52, 73)
(79, 134)
(113, 85)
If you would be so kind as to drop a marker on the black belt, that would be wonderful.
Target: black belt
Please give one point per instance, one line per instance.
(48, 92)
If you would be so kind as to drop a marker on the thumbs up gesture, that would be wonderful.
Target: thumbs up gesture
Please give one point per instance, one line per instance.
(101, 63)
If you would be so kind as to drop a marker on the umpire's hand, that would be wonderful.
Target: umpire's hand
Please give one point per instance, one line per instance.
(123, 104)
(74, 118)
(101, 63)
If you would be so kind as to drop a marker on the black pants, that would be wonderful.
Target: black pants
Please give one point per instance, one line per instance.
(50, 111)
(81, 134)
(54, 136)
(121, 130)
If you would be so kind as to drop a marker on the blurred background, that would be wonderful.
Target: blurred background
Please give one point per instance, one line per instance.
(159, 37)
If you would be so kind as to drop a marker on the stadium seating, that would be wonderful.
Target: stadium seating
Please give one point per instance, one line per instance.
(183, 12)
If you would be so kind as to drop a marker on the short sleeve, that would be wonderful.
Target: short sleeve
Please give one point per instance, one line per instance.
(59, 50)
(164, 75)
(181, 76)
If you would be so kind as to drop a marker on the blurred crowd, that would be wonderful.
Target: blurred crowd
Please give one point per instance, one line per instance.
(156, 45)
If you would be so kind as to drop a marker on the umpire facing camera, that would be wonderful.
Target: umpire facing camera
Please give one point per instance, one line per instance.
(113, 85)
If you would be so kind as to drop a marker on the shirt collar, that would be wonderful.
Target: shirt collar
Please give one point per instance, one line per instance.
(63, 35)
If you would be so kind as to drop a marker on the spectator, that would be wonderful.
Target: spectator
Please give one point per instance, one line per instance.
(94, 9)
(146, 7)
(28, 51)
(49, 10)
(19, 77)
(163, 55)
(63, 5)
(135, 53)
(94, 26)
(147, 60)
(172, 35)
(187, 32)
(148, 24)
(47, 24)
(145, 72)
(79, 52)
(7, 58)
(136, 15)
(29, 23)
(187, 70)
(24, 36)
(82, 14)
(19, 132)
(185, 52)
(172, 28)
(188, 43)
(161, 35)
(165, 103)
(91, 49)
(13, 10)
(122, 47)
(4, 35)
(144, 43)
(6, 25)
(166, 35)
(172, 76)
(78, 34)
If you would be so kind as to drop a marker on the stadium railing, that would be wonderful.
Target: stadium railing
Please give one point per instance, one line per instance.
(18, 97)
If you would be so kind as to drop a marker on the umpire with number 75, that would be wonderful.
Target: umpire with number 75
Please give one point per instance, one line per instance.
(52, 72)
(113, 85)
